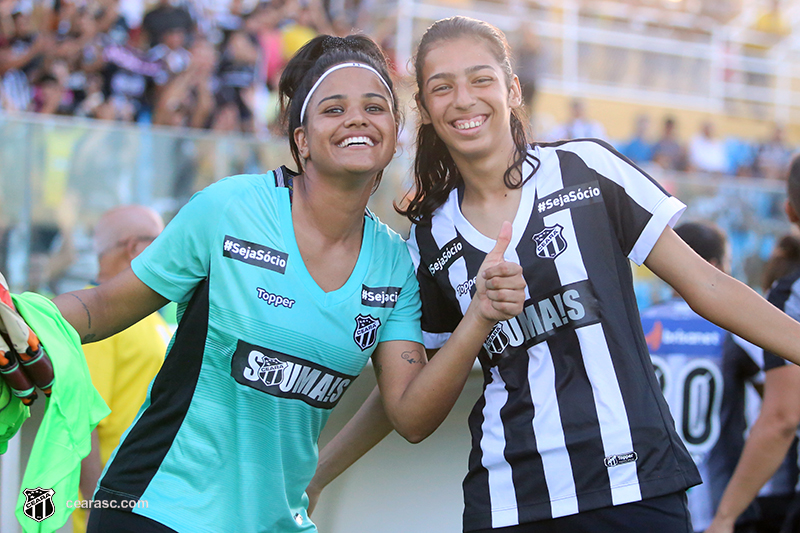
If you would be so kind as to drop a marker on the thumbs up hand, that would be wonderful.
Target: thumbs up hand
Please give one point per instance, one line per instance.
(500, 293)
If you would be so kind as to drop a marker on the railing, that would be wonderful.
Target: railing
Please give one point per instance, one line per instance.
(619, 51)
(58, 176)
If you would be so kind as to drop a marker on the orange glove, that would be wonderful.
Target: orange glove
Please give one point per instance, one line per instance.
(23, 361)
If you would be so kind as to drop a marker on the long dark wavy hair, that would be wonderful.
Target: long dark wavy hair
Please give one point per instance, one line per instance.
(310, 62)
(435, 172)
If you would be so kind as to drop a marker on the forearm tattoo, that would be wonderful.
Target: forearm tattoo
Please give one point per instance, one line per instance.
(89, 336)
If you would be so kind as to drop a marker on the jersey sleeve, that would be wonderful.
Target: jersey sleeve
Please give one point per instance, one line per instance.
(638, 207)
(403, 323)
(439, 317)
(179, 258)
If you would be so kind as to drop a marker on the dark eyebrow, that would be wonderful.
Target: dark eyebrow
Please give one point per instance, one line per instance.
(450, 75)
(331, 97)
(375, 95)
(343, 97)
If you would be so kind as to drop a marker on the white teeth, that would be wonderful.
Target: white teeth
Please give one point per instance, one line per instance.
(471, 124)
(355, 140)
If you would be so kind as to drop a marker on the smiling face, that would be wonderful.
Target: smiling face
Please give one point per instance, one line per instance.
(350, 127)
(467, 98)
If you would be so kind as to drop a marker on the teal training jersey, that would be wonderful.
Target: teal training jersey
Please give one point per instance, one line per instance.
(227, 437)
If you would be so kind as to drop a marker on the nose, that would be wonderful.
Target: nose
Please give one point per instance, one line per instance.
(356, 117)
(464, 99)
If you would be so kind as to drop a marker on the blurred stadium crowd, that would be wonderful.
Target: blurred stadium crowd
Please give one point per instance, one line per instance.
(215, 64)
(197, 64)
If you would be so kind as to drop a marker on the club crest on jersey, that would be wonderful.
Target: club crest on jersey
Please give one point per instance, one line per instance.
(271, 370)
(38, 503)
(366, 332)
(550, 242)
(497, 341)
(285, 376)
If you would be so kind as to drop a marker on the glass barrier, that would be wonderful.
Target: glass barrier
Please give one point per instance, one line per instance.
(58, 176)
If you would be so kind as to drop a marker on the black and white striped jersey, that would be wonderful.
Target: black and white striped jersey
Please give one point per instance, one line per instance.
(785, 295)
(572, 417)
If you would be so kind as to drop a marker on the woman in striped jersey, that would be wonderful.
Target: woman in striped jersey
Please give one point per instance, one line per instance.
(572, 432)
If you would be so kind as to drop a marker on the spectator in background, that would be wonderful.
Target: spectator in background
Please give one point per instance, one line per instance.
(774, 431)
(773, 156)
(638, 149)
(578, 126)
(706, 152)
(667, 151)
(308, 20)
(690, 373)
(171, 52)
(163, 18)
(528, 66)
(22, 56)
(188, 99)
(51, 97)
(239, 61)
(122, 366)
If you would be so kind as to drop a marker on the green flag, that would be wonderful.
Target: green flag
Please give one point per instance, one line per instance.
(73, 410)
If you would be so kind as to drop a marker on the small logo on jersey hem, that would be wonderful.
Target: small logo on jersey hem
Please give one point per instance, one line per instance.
(550, 242)
(285, 376)
(255, 254)
(379, 296)
(366, 332)
(620, 459)
(38, 503)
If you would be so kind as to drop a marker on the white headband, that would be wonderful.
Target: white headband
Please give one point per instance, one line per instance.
(333, 69)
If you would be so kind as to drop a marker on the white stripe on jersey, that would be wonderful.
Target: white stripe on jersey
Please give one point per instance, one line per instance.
(502, 496)
(549, 432)
(754, 352)
(612, 417)
(457, 272)
(614, 429)
(792, 306)
(666, 210)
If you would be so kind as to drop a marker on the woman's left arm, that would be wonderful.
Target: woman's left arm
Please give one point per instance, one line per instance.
(723, 300)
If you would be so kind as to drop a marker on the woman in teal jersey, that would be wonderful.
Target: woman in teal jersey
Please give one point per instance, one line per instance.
(571, 432)
(248, 381)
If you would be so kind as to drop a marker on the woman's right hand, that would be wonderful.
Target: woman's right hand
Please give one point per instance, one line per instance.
(500, 293)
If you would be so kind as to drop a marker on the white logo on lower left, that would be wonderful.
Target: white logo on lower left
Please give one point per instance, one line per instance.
(38, 503)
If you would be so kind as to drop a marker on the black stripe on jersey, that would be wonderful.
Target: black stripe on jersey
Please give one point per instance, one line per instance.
(632, 364)
(574, 392)
(476, 482)
(141, 453)
(439, 312)
(527, 468)
(778, 295)
(613, 152)
(628, 218)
